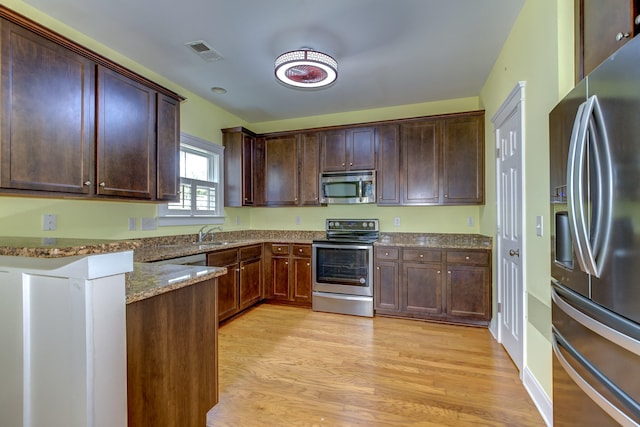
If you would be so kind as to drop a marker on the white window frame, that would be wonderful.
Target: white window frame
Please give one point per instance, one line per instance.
(170, 217)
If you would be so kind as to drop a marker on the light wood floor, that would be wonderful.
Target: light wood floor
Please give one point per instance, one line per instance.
(287, 366)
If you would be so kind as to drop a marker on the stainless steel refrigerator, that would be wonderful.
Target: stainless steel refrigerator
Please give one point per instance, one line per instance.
(595, 246)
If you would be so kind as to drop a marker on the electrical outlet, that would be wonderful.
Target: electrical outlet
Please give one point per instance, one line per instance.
(298, 221)
(470, 221)
(49, 222)
(396, 221)
(148, 224)
(132, 224)
(237, 220)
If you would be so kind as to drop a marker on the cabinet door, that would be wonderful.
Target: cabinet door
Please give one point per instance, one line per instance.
(422, 288)
(126, 142)
(463, 160)
(361, 148)
(468, 294)
(239, 147)
(47, 126)
(309, 178)
(281, 170)
(598, 25)
(388, 171)
(420, 163)
(334, 151)
(228, 301)
(301, 280)
(168, 164)
(386, 294)
(280, 277)
(250, 282)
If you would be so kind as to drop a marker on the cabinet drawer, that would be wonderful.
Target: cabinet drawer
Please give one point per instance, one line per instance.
(222, 258)
(387, 253)
(301, 250)
(279, 249)
(421, 255)
(250, 252)
(468, 257)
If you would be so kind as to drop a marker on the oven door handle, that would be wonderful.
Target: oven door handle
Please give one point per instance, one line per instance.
(341, 246)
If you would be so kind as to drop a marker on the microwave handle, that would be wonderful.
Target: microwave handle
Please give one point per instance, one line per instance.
(360, 189)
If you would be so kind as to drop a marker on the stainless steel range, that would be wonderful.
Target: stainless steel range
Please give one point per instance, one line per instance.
(342, 267)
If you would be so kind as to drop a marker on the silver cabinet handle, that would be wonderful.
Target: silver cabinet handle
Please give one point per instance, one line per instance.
(637, 20)
(87, 183)
(103, 184)
(622, 35)
(514, 252)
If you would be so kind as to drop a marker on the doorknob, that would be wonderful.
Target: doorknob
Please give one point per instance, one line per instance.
(514, 252)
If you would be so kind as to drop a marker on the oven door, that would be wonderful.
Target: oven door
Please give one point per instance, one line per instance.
(343, 268)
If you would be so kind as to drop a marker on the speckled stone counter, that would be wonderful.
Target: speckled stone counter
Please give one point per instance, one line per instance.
(148, 280)
(433, 240)
(166, 247)
(52, 247)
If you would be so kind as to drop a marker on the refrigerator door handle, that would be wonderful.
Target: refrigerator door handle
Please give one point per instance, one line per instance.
(616, 337)
(601, 196)
(613, 411)
(589, 138)
(575, 173)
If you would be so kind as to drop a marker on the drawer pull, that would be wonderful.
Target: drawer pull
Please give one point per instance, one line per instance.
(421, 256)
(467, 258)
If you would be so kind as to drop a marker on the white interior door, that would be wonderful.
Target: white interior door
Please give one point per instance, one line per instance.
(509, 142)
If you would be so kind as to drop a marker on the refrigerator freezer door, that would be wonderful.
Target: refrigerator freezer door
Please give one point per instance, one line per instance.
(594, 364)
(616, 83)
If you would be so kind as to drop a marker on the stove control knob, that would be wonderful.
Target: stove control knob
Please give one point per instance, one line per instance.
(337, 224)
(363, 280)
(371, 225)
(364, 224)
(330, 224)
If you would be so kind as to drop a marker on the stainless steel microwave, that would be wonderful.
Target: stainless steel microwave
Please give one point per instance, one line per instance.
(348, 187)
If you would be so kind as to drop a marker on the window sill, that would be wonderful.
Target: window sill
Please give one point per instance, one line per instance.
(167, 221)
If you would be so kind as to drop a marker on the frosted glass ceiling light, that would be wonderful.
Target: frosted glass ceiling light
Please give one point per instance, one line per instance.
(306, 68)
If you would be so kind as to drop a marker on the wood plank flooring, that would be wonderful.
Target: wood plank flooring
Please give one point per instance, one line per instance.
(288, 366)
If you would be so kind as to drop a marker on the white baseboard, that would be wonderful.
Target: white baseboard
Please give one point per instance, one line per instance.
(539, 396)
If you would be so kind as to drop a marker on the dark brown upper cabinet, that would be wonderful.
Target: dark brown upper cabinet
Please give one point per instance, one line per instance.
(601, 28)
(240, 166)
(47, 137)
(348, 149)
(73, 123)
(126, 136)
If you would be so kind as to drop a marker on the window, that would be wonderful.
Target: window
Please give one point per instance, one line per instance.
(201, 185)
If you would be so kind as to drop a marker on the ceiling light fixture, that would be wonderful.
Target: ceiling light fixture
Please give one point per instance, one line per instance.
(306, 68)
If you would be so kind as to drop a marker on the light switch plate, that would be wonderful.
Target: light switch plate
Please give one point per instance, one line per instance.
(539, 222)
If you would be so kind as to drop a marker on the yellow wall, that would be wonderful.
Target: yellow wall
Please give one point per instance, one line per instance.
(538, 51)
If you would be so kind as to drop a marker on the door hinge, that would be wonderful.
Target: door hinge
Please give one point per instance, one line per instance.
(497, 153)
(499, 307)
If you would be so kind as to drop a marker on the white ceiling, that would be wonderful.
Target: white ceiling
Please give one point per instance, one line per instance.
(389, 52)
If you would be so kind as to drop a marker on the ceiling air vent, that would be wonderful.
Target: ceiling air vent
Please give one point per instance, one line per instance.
(204, 51)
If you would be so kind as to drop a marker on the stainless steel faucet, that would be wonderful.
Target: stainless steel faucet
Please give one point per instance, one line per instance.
(204, 231)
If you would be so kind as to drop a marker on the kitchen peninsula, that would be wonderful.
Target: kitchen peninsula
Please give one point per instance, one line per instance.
(80, 324)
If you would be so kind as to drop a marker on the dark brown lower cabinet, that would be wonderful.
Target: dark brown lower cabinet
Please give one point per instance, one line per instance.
(410, 282)
(289, 273)
(172, 357)
(241, 287)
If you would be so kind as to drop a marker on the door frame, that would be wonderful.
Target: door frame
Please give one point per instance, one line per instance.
(514, 102)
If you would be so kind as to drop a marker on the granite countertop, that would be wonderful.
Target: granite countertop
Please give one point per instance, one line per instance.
(148, 280)
(435, 240)
(53, 247)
